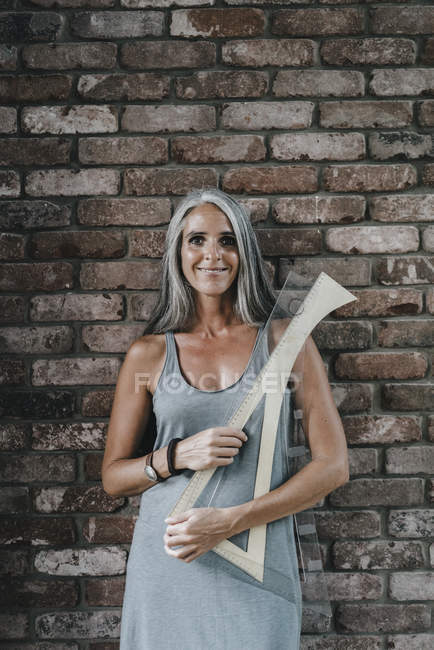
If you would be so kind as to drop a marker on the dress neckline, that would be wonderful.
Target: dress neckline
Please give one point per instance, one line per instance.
(219, 390)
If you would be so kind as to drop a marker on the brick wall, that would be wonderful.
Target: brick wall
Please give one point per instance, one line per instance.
(320, 118)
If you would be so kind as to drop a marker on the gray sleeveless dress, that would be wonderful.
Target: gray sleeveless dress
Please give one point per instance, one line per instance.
(206, 604)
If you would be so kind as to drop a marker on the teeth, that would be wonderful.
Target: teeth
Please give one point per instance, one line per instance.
(213, 270)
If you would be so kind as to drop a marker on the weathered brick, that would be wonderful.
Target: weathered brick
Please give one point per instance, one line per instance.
(14, 625)
(68, 56)
(341, 642)
(331, 335)
(354, 586)
(369, 178)
(280, 241)
(97, 4)
(34, 151)
(381, 365)
(425, 112)
(97, 403)
(411, 586)
(339, 525)
(69, 119)
(352, 397)
(23, 27)
(25, 88)
(38, 593)
(318, 146)
(427, 51)
(382, 302)
(217, 23)
(222, 83)
(44, 276)
(413, 81)
(317, 209)
(348, 272)
(70, 372)
(317, 22)
(263, 52)
(108, 561)
(12, 371)
(75, 306)
(410, 270)
(143, 274)
(117, 24)
(379, 492)
(14, 436)
(428, 239)
(105, 592)
(428, 174)
(382, 618)
(402, 20)
(75, 435)
(430, 428)
(410, 641)
(167, 54)
(37, 404)
(76, 498)
(37, 532)
(14, 499)
(8, 57)
(168, 181)
(368, 51)
(379, 554)
(405, 333)
(109, 530)
(381, 429)
(270, 180)
(88, 243)
(34, 340)
(311, 83)
(9, 183)
(68, 182)
(11, 246)
(147, 243)
(92, 467)
(14, 563)
(124, 212)
(123, 151)
(251, 116)
(16, 468)
(8, 119)
(373, 239)
(363, 461)
(366, 114)
(12, 308)
(222, 148)
(79, 624)
(410, 460)
(417, 207)
(397, 144)
(29, 215)
(110, 338)
(124, 87)
(430, 301)
(407, 397)
(166, 119)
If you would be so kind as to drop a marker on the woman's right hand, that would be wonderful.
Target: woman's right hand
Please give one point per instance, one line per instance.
(209, 448)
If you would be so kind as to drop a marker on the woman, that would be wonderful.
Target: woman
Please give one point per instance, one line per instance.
(214, 300)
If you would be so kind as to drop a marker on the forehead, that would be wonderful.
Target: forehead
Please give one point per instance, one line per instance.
(207, 214)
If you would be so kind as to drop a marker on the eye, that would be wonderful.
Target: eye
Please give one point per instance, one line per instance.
(194, 239)
(229, 241)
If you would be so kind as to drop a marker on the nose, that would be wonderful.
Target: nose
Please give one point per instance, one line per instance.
(213, 250)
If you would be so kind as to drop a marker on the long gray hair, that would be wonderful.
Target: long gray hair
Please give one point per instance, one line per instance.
(254, 298)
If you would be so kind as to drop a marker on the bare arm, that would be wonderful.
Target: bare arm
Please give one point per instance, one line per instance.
(329, 466)
(122, 473)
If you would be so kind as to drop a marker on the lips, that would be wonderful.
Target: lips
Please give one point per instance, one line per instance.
(216, 270)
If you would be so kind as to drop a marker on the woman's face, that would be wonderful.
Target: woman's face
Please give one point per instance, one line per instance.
(209, 251)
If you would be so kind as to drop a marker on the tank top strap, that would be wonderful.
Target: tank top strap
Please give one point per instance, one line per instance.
(170, 365)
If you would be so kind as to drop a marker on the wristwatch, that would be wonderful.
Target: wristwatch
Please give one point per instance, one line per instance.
(150, 471)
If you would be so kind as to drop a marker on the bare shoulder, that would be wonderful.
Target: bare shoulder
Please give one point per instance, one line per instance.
(146, 354)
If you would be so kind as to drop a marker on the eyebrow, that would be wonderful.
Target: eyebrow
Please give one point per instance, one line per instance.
(202, 232)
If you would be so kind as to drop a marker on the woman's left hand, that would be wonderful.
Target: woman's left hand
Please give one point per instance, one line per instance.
(198, 530)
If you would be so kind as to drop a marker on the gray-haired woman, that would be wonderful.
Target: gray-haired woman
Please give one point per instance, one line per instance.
(214, 300)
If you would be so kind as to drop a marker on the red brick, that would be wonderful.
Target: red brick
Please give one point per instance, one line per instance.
(348, 272)
(105, 592)
(109, 530)
(12, 372)
(92, 467)
(79, 244)
(14, 499)
(250, 116)
(101, 561)
(381, 365)
(339, 525)
(425, 111)
(270, 180)
(36, 467)
(311, 83)
(405, 270)
(12, 308)
(14, 436)
(410, 523)
(167, 54)
(369, 178)
(317, 22)
(167, 118)
(77, 498)
(222, 148)
(75, 435)
(11, 246)
(381, 429)
(124, 212)
(40, 88)
(222, 83)
(75, 306)
(168, 181)
(318, 146)
(35, 151)
(76, 371)
(366, 114)
(116, 24)
(217, 23)
(407, 397)
(110, 338)
(71, 182)
(67, 56)
(97, 403)
(69, 120)
(9, 183)
(122, 151)
(368, 51)
(121, 275)
(402, 20)
(147, 243)
(38, 593)
(379, 492)
(280, 241)
(382, 302)
(35, 340)
(34, 214)
(37, 531)
(405, 333)
(263, 52)
(144, 86)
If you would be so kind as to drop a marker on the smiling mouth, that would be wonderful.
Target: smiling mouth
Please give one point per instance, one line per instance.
(212, 270)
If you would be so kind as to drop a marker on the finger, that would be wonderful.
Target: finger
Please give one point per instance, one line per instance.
(176, 540)
(180, 552)
(176, 519)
